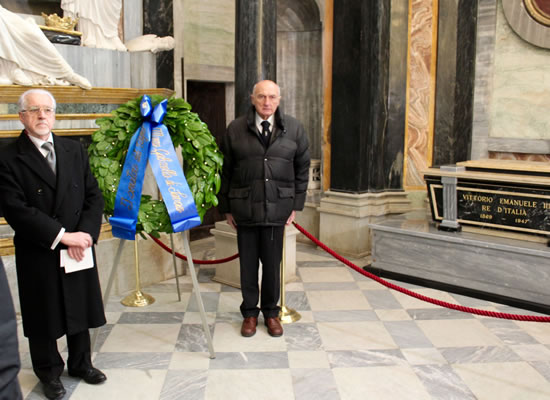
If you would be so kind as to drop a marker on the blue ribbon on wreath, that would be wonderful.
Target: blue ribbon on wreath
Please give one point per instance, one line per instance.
(152, 143)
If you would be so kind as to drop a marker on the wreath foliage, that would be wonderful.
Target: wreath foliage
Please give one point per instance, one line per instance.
(201, 166)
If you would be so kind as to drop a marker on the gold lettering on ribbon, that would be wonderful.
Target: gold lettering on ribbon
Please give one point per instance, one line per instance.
(163, 160)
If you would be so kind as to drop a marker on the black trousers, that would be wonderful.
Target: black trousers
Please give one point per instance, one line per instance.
(48, 364)
(265, 244)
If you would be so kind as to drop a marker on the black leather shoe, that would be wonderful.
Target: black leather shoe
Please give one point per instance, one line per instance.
(93, 376)
(53, 389)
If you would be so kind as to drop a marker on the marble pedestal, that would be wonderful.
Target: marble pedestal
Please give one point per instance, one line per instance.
(508, 271)
(226, 245)
(345, 218)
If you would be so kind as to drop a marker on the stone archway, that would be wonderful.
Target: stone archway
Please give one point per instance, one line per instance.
(299, 65)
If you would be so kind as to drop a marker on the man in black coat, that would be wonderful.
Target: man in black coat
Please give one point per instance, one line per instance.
(52, 202)
(9, 361)
(264, 182)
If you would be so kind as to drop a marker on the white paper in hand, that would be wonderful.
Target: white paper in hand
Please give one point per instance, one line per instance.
(72, 265)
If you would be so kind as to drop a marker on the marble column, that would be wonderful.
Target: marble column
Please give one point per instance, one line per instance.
(158, 20)
(368, 121)
(456, 48)
(255, 47)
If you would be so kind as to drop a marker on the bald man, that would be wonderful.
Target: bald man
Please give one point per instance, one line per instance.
(264, 182)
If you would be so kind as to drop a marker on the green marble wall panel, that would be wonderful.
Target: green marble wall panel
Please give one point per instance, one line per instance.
(521, 86)
(209, 32)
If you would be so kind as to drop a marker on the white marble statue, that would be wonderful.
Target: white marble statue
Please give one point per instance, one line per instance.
(27, 57)
(150, 42)
(98, 21)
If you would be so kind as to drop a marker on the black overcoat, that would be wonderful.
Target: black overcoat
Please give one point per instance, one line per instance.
(37, 204)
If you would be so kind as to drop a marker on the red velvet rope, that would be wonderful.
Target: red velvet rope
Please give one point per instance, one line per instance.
(183, 257)
(419, 296)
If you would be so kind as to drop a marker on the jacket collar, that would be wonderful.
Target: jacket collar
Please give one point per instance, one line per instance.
(251, 119)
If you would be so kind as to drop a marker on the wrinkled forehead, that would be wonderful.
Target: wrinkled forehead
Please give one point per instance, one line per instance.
(266, 88)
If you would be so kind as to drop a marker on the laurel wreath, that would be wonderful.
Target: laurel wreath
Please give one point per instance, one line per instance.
(202, 160)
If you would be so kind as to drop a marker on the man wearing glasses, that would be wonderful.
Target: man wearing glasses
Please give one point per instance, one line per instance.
(50, 198)
(264, 182)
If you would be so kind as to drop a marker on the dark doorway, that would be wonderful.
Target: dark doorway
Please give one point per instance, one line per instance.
(208, 100)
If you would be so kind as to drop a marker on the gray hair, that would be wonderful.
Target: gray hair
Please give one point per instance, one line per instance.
(22, 102)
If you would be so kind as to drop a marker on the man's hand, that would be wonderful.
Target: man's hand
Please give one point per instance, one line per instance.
(76, 242)
(231, 221)
(291, 218)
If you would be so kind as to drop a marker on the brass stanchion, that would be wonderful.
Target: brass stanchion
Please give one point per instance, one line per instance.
(286, 315)
(137, 298)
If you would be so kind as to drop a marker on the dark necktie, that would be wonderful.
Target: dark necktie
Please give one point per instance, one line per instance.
(50, 157)
(266, 134)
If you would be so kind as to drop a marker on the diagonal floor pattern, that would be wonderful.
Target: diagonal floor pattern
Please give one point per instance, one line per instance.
(356, 339)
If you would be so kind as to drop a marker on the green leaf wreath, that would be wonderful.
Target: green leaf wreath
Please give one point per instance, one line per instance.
(202, 159)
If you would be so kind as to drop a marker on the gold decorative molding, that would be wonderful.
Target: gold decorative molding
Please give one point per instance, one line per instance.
(75, 94)
(60, 132)
(536, 12)
(59, 117)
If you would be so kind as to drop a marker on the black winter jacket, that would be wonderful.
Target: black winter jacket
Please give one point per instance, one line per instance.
(262, 185)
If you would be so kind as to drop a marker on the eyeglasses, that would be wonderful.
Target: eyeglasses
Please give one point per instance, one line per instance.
(262, 97)
(36, 110)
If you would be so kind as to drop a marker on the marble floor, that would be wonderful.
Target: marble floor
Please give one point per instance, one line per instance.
(356, 339)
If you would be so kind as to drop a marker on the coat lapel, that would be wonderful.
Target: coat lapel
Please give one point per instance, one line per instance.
(31, 156)
(64, 170)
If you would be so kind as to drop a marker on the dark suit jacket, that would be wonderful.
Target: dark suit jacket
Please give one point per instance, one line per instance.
(37, 203)
(9, 361)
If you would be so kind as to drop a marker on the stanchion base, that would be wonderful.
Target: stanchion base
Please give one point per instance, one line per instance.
(288, 315)
(138, 299)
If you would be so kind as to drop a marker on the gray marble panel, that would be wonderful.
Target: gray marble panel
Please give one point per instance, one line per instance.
(205, 275)
(26, 362)
(487, 354)
(184, 384)
(406, 334)
(524, 145)
(102, 67)
(508, 331)
(330, 286)
(250, 360)
(379, 299)
(133, 19)
(229, 317)
(104, 332)
(438, 313)
(302, 337)
(469, 301)
(364, 358)
(132, 360)
(209, 299)
(151, 318)
(543, 368)
(317, 264)
(314, 384)
(495, 265)
(345, 316)
(192, 338)
(297, 301)
(169, 288)
(443, 383)
(485, 47)
(143, 70)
